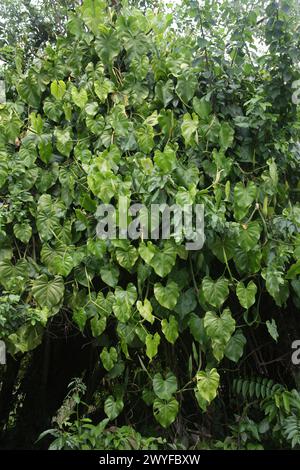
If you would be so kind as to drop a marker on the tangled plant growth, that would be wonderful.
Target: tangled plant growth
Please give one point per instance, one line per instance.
(125, 104)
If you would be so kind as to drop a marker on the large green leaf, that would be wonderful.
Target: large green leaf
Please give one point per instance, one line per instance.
(14, 277)
(167, 296)
(186, 87)
(29, 90)
(274, 280)
(246, 294)
(152, 343)
(170, 328)
(80, 97)
(215, 292)
(244, 195)
(64, 141)
(113, 407)
(110, 275)
(109, 357)
(164, 388)
(165, 412)
(98, 325)
(26, 338)
(207, 384)
(166, 160)
(124, 300)
(127, 258)
(93, 13)
(164, 92)
(48, 292)
(219, 329)
(108, 45)
(189, 128)
(103, 87)
(249, 235)
(145, 310)
(202, 107)
(23, 231)
(235, 347)
(58, 89)
(163, 260)
(226, 135)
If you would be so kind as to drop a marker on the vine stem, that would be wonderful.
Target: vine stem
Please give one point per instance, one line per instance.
(193, 276)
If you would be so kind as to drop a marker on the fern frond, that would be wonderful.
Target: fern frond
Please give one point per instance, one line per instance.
(258, 387)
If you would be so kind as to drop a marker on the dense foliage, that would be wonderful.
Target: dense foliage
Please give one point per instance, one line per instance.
(27, 25)
(130, 103)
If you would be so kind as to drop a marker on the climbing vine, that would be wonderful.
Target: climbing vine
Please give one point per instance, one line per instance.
(126, 105)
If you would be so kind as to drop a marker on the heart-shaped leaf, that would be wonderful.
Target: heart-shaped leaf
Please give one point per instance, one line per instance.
(165, 412)
(215, 292)
(167, 296)
(246, 295)
(207, 384)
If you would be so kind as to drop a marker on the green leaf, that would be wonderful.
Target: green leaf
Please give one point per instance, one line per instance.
(166, 160)
(186, 87)
(293, 271)
(98, 325)
(60, 260)
(124, 300)
(164, 92)
(170, 329)
(64, 142)
(152, 343)
(109, 357)
(249, 235)
(48, 293)
(147, 252)
(189, 129)
(29, 90)
(53, 110)
(127, 258)
(164, 388)
(202, 107)
(165, 412)
(145, 310)
(108, 45)
(93, 13)
(80, 98)
(26, 338)
(274, 280)
(235, 347)
(103, 87)
(4, 171)
(246, 295)
(196, 326)
(272, 329)
(163, 261)
(215, 292)
(187, 303)
(23, 232)
(113, 407)
(219, 329)
(14, 277)
(58, 89)
(207, 384)
(80, 318)
(110, 275)
(167, 296)
(226, 135)
(247, 262)
(244, 195)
